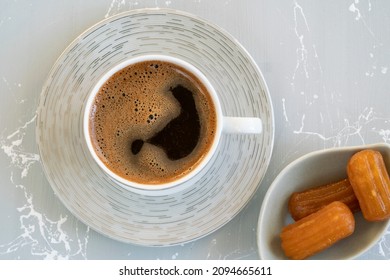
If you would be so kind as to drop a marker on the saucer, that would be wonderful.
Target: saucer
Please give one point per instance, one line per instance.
(216, 195)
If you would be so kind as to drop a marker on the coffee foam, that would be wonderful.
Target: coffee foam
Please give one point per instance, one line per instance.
(136, 103)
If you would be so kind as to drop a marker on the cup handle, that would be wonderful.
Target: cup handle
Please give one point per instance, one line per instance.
(242, 125)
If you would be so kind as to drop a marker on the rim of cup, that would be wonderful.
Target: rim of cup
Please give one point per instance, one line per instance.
(132, 185)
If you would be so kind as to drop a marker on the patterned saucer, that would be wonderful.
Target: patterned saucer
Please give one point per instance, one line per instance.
(218, 194)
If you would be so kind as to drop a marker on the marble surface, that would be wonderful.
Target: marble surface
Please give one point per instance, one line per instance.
(326, 64)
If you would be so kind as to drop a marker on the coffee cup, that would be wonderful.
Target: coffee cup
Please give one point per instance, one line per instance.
(153, 122)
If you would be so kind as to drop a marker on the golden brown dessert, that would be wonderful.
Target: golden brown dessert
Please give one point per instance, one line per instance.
(317, 231)
(302, 204)
(371, 184)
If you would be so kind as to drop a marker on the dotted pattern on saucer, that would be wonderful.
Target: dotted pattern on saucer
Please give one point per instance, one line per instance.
(217, 195)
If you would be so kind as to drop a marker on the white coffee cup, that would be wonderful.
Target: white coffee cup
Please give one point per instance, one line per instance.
(224, 124)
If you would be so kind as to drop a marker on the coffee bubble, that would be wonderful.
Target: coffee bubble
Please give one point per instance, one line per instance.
(151, 122)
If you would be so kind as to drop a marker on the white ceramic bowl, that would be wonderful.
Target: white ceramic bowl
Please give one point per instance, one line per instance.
(311, 170)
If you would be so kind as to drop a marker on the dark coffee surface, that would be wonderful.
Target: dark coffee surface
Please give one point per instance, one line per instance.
(152, 122)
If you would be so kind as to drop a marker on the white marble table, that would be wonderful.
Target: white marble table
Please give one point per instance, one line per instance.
(326, 64)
